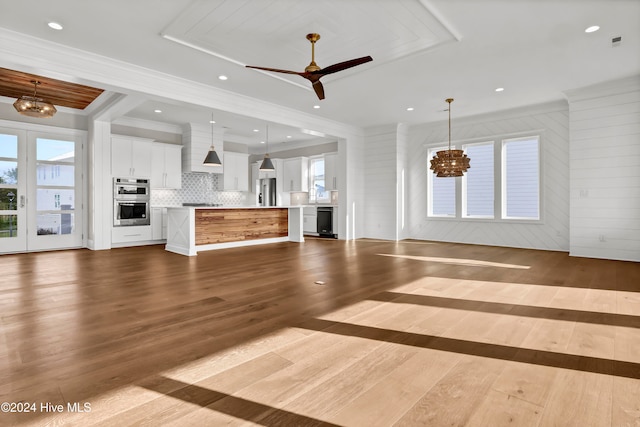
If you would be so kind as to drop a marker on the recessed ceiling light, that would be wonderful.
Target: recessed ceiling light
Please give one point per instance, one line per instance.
(592, 29)
(261, 142)
(289, 136)
(409, 108)
(499, 89)
(212, 121)
(54, 25)
(316, 106)
(222, 77)
(157, 111)
(256, 130)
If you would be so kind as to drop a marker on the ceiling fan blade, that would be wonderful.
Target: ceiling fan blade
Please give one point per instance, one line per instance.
(317, 86)
(275, 70)
(343, 65)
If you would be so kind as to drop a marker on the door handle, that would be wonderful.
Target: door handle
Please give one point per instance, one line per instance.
(22, 200)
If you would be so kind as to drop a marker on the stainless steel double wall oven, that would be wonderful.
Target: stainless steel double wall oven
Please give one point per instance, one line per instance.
(131, 199)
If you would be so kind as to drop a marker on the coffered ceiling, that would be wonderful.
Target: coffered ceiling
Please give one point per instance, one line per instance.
(424, 51)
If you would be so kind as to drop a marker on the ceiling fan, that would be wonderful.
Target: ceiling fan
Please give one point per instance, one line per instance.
(312, 72)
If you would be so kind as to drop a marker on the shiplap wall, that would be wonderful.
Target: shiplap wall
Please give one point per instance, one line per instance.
(605, 170)
(380, 177)
(551, 122)
(351, 187)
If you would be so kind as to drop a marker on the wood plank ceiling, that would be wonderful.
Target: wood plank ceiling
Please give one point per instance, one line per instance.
(15, 84)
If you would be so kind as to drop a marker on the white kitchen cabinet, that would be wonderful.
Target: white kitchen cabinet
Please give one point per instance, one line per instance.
(134, 234)
(130, 157)
(159, 223)
(236, 171)
(309, 220)
(331, 171)
(166, 167)
(296, 174)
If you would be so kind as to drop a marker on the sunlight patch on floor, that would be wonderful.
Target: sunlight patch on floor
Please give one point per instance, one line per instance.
(458, 261)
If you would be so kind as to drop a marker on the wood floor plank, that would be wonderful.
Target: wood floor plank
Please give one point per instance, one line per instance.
(504, 410)
(625, 402)
(399, 391)
(453, 399)
(579, 399)
(526, 382)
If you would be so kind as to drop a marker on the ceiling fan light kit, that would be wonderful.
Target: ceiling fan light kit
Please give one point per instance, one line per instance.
(33, 106)
(450, 163)
(313, 72)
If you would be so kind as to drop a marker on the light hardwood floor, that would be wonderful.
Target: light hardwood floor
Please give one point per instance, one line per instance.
(408, 333)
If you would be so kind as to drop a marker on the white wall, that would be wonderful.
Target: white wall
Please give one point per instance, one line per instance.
(551, 122)
(380, 175)
(605, 170)
(402, 162)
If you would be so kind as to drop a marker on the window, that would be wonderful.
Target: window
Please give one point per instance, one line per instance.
(513, 194)
(317, 191)
(443, 192)
(477, 184)
(521, 178)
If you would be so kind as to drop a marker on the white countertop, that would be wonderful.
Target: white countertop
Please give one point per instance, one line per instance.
(235, 207)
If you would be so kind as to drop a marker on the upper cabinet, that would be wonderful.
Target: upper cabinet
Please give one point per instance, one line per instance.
(236, 171)
(130, 157)
(166, 168)
(296, 174)
(331, 171)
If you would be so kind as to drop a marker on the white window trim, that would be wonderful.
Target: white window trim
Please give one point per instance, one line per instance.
(503, 197)
(498, 180)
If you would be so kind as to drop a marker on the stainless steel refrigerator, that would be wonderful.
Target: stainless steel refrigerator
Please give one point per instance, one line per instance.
(267, 192)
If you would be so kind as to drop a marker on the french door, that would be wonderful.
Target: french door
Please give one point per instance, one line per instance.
(40, 191)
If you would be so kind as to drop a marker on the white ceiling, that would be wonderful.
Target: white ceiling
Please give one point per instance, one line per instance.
(423, 52)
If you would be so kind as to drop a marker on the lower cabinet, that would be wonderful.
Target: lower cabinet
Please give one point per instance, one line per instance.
(309, 220)
(159, 223)
(131, 234)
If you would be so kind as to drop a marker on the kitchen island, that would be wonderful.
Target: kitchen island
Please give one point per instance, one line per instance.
(194, 229)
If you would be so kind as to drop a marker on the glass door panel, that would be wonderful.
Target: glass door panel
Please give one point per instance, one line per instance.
(57, 171)
(13, 237)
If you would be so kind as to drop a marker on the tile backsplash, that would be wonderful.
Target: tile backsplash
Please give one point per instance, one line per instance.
(200, 188)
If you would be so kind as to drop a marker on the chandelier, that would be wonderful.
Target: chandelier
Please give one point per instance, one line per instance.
(449, 162)
(33, 106)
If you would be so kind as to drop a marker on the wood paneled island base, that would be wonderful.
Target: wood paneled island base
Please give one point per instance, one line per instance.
(194, 229)
(232, 225)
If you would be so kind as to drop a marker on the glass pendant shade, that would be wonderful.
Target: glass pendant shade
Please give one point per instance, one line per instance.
(449, 163)
(33, 106)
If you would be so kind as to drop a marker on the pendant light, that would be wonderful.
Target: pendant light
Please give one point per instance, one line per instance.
(449, 163)
(212, 158)
(33, 106)
(267, 164)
